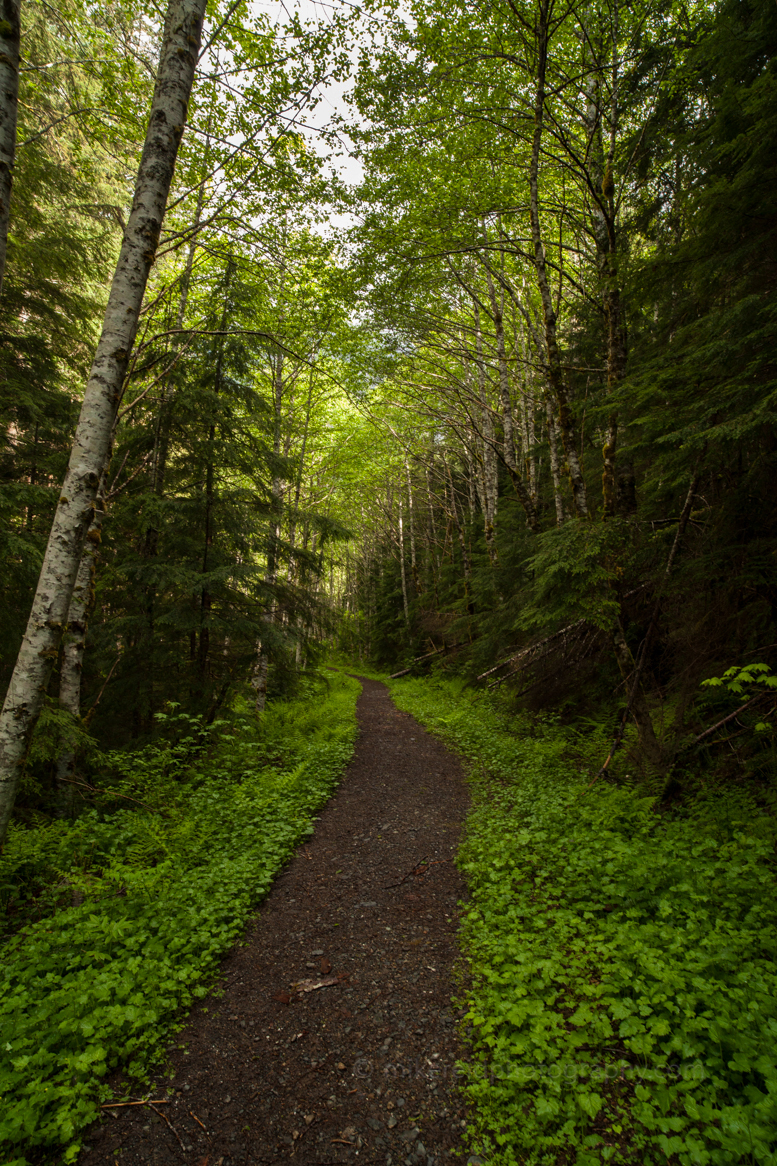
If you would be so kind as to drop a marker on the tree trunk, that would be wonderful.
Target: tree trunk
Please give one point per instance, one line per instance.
(73, 651)
(555, 370)
(206, 599)
(411, 529)
(262, 666)
(259, 678)
(162, 433)
(508, 429)
(434, 556)
(465, 559)
(527, 418)
(603, 226)
(10, 36)
(554, 466)
(402, 562)
(490, 475)
(298, 488)
(163, 420)
(649, 744)
(91, 445)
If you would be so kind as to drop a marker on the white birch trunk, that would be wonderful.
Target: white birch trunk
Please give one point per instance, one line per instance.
(259, 678)
(490, 473)
(91, 444)
(554, 463)
(402, 562)
(465, 559)
(10, 36)
(527, 404)
(434, 555)
(411, 528)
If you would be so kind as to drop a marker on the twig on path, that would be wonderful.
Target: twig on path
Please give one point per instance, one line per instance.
(407, 876)
(424, 862)
(121, 1104)
(172, 1127)
(199, 1123)
(312, 985)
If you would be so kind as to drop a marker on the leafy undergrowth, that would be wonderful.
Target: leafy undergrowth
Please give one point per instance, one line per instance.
(623, 991)
(162, 893)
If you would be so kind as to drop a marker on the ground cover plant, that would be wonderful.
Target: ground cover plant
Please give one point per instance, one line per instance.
(622, 990)
(156, 893)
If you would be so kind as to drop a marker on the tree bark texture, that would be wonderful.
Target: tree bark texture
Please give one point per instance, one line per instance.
(91, 444)
(73, 649)
(604, 230)
(555, 369)
(262, 666)
(411, 529)
(508, 427)
(10, 36)
(554, 464)
(403, 573)
(490, 472)
(259, 678)
(465, 557)
(649, 745)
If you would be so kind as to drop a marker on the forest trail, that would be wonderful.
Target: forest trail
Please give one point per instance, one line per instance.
(360, 1070)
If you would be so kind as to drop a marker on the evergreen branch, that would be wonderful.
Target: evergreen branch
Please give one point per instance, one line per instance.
(58, 121)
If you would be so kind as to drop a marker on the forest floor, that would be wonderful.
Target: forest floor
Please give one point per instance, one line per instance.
(331, 1034)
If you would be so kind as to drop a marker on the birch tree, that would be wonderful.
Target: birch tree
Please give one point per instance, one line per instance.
(175, 76)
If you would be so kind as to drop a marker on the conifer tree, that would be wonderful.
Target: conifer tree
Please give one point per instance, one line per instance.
(10, 33)
(175, 75)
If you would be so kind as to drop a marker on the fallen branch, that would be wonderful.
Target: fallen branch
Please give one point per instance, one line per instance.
(418, 659)
(585, 649)
(169, 1123)
(548, 639)
(407, 876)
(122, 1104)
(726, 720)
(312, 985)
(532, 648)
(425, 862)
(88, 716)
(199, 1123)
(111, 794)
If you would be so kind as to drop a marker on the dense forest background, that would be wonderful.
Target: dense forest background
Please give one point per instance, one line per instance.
(515, 410)
(454, 358)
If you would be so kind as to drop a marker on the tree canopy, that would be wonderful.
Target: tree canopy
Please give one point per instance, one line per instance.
(512, 415)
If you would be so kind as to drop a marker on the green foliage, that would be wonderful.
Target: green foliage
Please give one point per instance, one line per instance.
(158, 895)
(623, 985)
(572, 578)
(735, 679)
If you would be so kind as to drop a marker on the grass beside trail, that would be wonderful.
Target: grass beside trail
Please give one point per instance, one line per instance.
(622, 991)
(163, 891)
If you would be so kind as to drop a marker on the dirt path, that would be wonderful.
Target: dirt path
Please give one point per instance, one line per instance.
(359, 1071)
